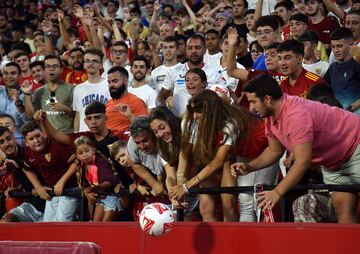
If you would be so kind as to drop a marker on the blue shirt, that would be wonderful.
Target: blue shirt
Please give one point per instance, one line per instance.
(7, 106)
(259, 64)
(344, 78)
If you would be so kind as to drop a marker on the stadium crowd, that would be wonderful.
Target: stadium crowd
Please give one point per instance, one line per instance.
(137, 102)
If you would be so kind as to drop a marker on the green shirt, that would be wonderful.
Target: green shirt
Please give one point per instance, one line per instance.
(58, 118)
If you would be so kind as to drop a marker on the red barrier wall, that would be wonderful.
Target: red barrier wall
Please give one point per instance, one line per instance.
(249, 238)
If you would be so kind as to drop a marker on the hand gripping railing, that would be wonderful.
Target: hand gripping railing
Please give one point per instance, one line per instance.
(77, 192)
(240, 189)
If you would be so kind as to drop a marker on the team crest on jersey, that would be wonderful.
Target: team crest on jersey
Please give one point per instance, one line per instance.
(48, 157)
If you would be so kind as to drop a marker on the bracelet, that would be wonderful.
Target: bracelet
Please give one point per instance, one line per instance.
(186, 189)
(277, 192)
(28, 94)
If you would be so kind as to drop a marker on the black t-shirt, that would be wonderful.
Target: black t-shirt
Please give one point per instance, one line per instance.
(246, 61)
(241, 29)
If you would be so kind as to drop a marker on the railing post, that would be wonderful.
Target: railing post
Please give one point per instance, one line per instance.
(179, 214)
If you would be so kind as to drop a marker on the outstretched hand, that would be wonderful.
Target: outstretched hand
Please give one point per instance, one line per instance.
(240, 168)
(232, 36)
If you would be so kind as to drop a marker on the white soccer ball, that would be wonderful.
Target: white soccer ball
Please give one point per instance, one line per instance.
(156, 219)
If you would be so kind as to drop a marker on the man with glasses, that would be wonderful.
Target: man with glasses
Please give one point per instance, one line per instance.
(267, 32)
(55, 97)
(94, 89)
(118, 57)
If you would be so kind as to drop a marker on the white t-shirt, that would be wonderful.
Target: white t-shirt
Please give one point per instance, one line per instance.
(228, 80)
(249, 38)
(181, 96)
(86, 93)
(319, 68)
(229, 137)
(212, 60)
(267, 7)
(108, 64)
(158, 74)
(146, 93)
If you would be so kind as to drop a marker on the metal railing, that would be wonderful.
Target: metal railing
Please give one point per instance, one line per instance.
(77, 192)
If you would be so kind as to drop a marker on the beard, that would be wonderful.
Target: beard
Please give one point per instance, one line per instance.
(118, 92)
(78, 67)
(139, 78)
(196, 61)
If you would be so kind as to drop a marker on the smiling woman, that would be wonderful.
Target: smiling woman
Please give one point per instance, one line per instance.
(166, 127)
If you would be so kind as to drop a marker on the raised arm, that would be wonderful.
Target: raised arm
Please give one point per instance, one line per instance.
(63, 33)
(221, 4)
(331, 7)
(232, 71)
(190, 12)
(26, 87)
(47, 26)
(92, 36)
(258, 9)
(52, 133)
(157, 9)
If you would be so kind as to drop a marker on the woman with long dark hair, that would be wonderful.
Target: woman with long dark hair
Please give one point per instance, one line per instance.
(210, 130)
(167, 129)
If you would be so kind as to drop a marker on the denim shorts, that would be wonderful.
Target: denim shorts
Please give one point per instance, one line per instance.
(61, 209)
(26, 212)
(110, 203)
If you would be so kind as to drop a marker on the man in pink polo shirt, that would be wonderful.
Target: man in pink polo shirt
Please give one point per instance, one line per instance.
(315, 134)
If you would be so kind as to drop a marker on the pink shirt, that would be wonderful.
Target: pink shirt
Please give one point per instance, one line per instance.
(334, 132)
